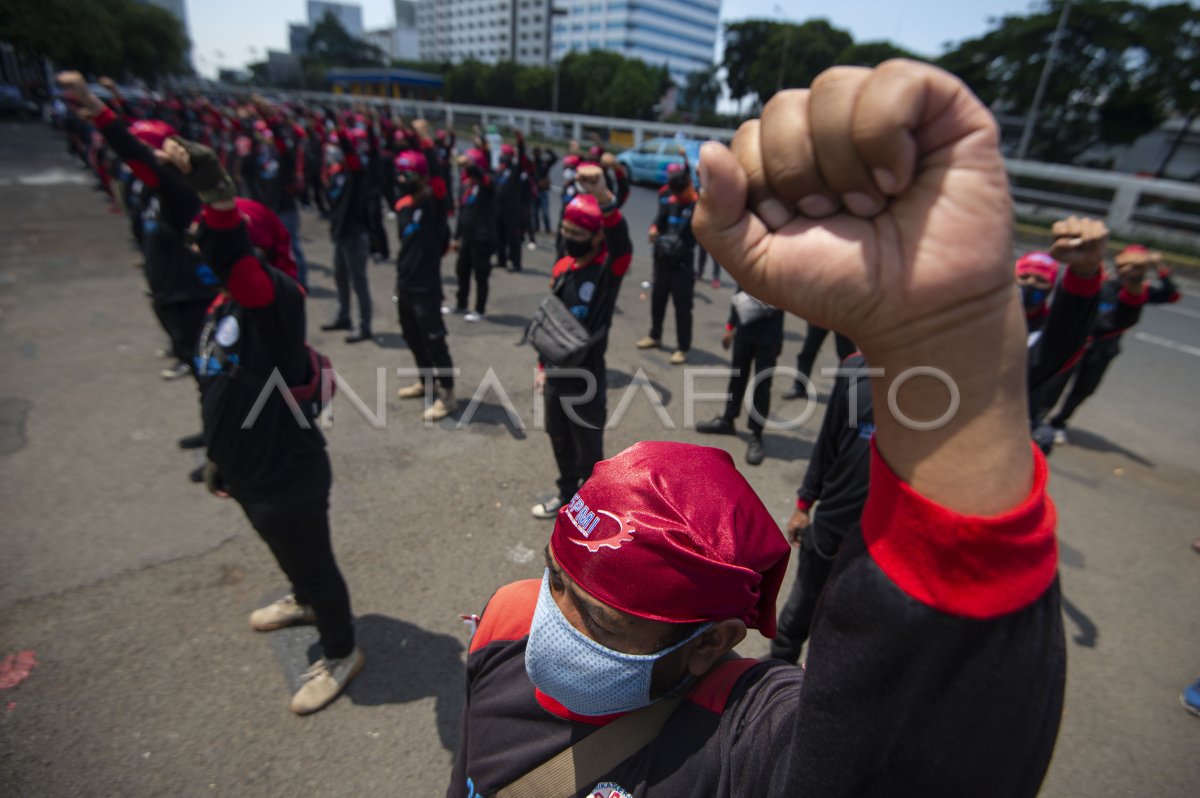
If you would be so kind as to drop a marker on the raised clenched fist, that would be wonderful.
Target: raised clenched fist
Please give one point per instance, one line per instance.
(875, 203)
(1079, 242)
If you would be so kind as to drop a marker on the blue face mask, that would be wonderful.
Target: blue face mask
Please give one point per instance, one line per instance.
(579, 673)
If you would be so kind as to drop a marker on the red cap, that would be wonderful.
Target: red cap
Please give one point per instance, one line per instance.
(571, 161)
(583, 211)
(476, 156)
(412, 161)
(673, 168)
(1039, 264)
(672, 532)
(152, 132)
(268, 234)
(507, 149)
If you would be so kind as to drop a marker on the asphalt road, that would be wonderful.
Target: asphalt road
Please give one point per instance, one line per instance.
(132, 586)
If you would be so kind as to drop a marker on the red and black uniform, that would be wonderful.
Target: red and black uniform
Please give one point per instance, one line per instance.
(513, 193)
(1118, 310)
(274, 464)
(346, 189)
(421, 221)
(181, 284)
(936, 668)
(590, 291)
(756, 347)
(475, 230)
(378, 172)
(674, 254)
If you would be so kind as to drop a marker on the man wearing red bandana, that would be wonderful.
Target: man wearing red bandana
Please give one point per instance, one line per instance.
(936, 662)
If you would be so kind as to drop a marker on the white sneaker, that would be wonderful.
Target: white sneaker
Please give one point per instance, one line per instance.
(177, 371)
(473, 316)
(278, 614)
(531, 246)
(1060, 436)
(324, 681)
(414, 391)
(547, 509)
(440, 408)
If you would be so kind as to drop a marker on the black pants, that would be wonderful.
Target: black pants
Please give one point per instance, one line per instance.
(702, 261)
(375, 229)
(796, 616)
(762, 356)
(474, 259)
(1084, 379)
(183, 322)
(577, 448)
(812, 345)
(298, 535)
(425, 333)
(511, 234)
(314, 190)
(674, 280)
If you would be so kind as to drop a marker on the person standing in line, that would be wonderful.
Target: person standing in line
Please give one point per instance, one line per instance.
(474, 232)
(345, 180)
(755, 331)
(587, 280)
(674, 253)
(421, 221)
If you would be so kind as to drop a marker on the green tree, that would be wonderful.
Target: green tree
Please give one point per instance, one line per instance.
(871, 54)
(1122, 68)
(702, 90)
(121, 38)
(762, 56)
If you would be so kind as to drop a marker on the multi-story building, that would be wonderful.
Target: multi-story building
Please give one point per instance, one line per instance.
(679, 33)
(486, 30)
(350, 16)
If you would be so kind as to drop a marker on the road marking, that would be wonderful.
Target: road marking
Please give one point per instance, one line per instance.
(54, 177)
(1169, 344)
(1183, 312)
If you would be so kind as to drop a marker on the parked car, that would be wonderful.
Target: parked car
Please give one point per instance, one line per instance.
(648, 162)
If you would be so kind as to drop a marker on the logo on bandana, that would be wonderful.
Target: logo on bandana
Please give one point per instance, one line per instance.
(587, 521)
(228, 332)
(609, 790)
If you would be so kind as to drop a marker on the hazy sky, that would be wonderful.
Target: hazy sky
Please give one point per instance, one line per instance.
(230, 33)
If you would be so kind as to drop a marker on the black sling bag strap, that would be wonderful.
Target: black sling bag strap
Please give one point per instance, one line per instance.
(584, 763)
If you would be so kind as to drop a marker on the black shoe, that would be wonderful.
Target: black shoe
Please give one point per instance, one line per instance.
(192, 441)
(361, 335)
(340, 324)
(755, 451)
(798, 391)
(718, 426)
(196, 474)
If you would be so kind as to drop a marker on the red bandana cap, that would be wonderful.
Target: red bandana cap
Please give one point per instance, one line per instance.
(672, 532)
(265, 231)
(152, 132)
(673, 168)
(412, 161)
(507, 149)
(476, 156)
(595, 151)
(1039, 264)
(571, 161)
(583, 211)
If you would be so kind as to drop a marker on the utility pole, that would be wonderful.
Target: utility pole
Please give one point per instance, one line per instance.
(783, 51)
(555, 11)
(1051, 57)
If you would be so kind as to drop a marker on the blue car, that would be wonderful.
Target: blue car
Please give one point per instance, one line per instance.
(648, 163)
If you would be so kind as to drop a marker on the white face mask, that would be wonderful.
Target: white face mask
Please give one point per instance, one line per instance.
(579, 673)
(568, 175)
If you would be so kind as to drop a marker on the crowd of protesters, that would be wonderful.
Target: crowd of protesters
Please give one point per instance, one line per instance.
(927, 588)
